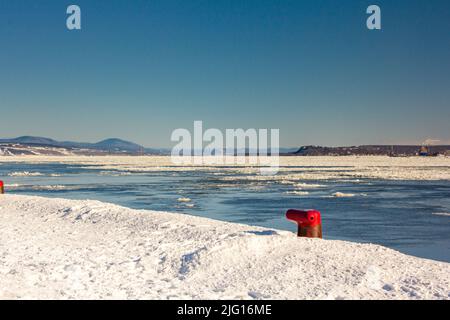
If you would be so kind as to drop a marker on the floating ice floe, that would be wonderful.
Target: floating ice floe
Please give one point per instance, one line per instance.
(25, 174)
(444, 214)
(343, 195)
(308, 186)
(13, 185)
(298, 193)
(49, 187)
(291, 168)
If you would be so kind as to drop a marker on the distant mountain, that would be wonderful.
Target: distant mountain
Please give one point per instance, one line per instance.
(113, 145)
(31, 140)
(118, 144)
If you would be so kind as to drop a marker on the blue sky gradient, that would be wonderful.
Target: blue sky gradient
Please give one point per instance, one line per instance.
(140, 69)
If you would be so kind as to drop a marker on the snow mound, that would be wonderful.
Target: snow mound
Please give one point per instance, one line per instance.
(67, 249)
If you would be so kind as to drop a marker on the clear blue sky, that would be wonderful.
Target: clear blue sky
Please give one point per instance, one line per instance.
(139, 69)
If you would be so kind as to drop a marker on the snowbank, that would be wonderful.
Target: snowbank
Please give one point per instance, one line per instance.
(56, 248)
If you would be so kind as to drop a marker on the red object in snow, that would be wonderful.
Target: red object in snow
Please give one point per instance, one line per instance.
(2, 188)
(309, 222)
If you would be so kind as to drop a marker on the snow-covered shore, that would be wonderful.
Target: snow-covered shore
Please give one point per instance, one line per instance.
(63, 249)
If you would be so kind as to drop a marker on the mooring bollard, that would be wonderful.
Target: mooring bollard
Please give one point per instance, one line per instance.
(308, 221)
(2, 188)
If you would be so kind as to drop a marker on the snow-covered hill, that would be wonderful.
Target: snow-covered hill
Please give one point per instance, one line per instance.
(46, 150)
(26, 150)
(30, 145)
(57, 248)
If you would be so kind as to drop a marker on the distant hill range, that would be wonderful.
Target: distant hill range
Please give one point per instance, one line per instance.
(28, 145)
(391, 150)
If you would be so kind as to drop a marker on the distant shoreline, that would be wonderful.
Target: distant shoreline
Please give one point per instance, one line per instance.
(30, 145)
(32, 149)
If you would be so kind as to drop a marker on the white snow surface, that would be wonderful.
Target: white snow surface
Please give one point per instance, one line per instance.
(292, 169)
(83, 249)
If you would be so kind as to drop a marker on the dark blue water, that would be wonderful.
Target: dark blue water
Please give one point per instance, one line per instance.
(409, 216)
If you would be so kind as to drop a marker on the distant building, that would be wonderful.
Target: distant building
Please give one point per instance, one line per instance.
(424, 151)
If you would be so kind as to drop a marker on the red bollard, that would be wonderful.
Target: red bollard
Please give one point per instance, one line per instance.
(308, 221)
(2, 188)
